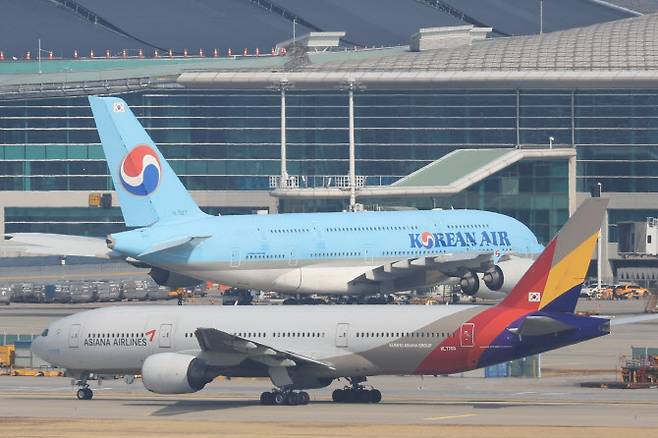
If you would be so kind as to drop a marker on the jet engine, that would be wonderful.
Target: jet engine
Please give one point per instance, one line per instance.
(173, 280)
(504, 276)
(470, 283)
(174, 373)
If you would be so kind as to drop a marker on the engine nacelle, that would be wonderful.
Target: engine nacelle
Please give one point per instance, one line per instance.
(505, 275)
(174, 373)
(173, 280)
(470, 283)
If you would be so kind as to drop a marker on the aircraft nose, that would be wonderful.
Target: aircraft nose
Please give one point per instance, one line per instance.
(37, 347)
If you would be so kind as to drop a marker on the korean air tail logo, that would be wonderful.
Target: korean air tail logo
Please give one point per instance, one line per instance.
(141, 171)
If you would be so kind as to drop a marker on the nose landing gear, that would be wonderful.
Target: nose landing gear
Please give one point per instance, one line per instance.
(83, 392)
(356, 393)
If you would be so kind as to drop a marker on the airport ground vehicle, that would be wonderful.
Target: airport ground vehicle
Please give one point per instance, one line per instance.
(604, 293)
(180, 350)
(5, 295)
(629, 291)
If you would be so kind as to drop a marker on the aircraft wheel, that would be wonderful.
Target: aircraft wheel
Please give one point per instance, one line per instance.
(304, 398)
(292, 398)
(279, 399)
(375, 396)
(362, 396)
(267, 399)
(84, 394)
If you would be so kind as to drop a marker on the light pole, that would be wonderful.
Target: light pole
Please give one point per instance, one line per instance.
(352, 174)
(550, 142)
(599, 262)
(541, 17)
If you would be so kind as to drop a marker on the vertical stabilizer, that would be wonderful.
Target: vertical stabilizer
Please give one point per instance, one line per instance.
(554, 281)
(148, 189)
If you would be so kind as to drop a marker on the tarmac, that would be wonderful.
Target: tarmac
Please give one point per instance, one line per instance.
(465, 405)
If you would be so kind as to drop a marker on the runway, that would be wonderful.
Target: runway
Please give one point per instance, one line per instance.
(408, 403)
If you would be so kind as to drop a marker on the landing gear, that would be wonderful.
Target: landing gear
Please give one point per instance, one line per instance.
(356, 393)
(83, 392)
(284, 397)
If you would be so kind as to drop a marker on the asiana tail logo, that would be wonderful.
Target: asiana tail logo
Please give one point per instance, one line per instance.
(428, 240)
(123, 340)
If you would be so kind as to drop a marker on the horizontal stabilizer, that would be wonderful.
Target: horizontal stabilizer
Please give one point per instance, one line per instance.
(172, 243)
(540, 325)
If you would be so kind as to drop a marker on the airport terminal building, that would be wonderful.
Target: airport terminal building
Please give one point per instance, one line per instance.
(524, 125)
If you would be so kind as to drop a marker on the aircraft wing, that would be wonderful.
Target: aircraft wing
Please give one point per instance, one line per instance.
(58, 245)
(445, 265)
(214, 340)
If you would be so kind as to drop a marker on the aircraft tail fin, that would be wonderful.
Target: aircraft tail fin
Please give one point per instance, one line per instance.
(148, 188)
(553, 282)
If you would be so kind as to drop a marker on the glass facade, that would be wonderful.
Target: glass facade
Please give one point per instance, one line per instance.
(535, 192)
(218, 139)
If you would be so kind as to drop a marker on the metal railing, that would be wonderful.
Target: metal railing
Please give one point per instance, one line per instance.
(327, 181)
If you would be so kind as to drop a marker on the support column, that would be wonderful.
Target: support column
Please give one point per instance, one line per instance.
(572, 186)
(573, 118)
(518, 116)
(284, 168)
(352, 171)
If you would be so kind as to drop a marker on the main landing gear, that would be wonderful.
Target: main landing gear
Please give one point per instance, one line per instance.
(83, 392)
(356, 393)
(284, 397)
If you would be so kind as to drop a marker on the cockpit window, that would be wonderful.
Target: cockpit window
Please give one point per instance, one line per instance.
(44, 333)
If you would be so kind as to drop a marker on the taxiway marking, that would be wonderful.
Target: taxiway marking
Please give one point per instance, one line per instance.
(449, 417)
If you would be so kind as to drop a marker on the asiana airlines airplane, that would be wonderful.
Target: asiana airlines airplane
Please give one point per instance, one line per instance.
(327, 253)
(182, 349)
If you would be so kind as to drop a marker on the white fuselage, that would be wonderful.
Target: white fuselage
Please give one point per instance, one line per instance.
(117, 340)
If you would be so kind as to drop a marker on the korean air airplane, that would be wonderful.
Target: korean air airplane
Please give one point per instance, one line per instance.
(326, 253)
(182, 349)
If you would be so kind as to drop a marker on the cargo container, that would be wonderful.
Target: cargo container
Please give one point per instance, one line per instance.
(134, 290)
(5, 295)
(107, 291)
(81, 292)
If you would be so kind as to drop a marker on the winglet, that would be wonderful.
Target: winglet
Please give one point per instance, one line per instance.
(554, 280)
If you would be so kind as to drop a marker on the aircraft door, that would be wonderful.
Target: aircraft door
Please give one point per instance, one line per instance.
(292, 260)
(467, 334)
(342, 333)
(235, 258)
(368, 255)
(74, 336)
(165, 336)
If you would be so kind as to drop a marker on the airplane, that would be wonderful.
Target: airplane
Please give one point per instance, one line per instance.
(342, 253)
(182, 349)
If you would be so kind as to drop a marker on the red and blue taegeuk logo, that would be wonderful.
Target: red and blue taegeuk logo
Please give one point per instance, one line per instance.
(141, 171)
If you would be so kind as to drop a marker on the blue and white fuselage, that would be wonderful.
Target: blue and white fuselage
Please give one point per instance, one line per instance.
(343, 253)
